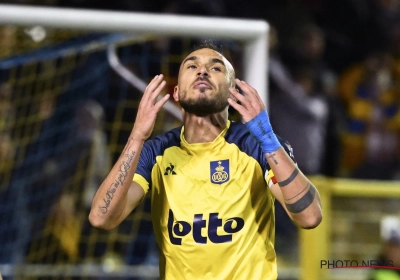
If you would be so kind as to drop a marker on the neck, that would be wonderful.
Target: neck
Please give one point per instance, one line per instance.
(204, 129)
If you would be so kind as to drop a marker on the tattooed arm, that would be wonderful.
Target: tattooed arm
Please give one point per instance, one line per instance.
(117, 196)
(294, 191)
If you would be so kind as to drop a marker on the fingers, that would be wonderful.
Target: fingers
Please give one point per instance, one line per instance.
(251, 94)
(149, 107)
(237, 106)
(250, 103)
(239, 97)
(153, 89)
(151, 95)
(161, 102)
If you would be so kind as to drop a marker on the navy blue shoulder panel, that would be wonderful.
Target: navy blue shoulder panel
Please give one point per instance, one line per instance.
(239, 135)
(155, 147)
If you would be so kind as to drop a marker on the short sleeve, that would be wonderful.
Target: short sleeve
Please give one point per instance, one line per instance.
(150, 151)
(137, 178)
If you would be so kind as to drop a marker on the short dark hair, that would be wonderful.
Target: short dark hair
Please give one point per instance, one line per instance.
(208, 44)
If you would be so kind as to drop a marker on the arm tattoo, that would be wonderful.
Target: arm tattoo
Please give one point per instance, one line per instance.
(308, 186)
(290, 179)
(123, 172)
(272, 156)
(301, 204)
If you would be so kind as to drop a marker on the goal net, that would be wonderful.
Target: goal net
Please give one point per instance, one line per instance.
(70, 83)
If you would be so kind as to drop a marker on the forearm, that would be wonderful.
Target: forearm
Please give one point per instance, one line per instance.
(299, 195)
(117, 196)
(111, 201)
(296, 193)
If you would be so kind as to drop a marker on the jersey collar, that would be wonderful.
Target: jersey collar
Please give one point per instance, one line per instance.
(202, 147)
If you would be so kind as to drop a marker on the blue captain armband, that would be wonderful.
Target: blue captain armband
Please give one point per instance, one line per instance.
(261, 129)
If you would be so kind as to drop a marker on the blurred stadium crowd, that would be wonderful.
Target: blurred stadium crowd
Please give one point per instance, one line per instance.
(333, 64)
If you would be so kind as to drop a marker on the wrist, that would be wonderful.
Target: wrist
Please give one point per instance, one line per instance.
(260, 127)
(137, 136)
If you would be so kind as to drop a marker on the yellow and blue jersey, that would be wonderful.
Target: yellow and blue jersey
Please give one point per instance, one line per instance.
(212, 209)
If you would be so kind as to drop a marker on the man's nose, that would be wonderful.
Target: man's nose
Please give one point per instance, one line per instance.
(202, 71)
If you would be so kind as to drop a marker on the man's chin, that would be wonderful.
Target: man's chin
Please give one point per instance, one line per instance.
(202, 107)
(201, 111)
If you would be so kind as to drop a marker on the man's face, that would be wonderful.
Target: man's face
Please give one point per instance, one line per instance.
(203, 83)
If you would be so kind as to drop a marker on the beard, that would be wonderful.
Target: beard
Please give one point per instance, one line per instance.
(204, 106)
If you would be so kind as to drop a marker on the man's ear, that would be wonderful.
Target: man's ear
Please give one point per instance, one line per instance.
(176, 95)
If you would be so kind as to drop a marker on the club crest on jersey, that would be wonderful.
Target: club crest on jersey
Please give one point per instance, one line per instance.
(219, 171)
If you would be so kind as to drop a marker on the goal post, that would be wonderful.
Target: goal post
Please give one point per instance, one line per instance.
(253, 33)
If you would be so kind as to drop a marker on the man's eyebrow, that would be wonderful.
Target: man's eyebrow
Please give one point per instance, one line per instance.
(214, 60)
(189, 58)
(217, 60)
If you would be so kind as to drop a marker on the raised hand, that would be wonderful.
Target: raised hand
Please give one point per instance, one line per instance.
(251, 103)
(149, 107)
(255, 116)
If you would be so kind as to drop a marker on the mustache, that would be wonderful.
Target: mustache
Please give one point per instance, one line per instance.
(203, 79)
